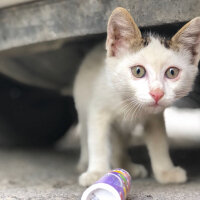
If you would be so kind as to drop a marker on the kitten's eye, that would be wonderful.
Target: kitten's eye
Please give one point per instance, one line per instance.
(138, 71)
(172, 72)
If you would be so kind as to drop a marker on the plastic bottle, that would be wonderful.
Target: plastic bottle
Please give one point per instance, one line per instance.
(115, 185)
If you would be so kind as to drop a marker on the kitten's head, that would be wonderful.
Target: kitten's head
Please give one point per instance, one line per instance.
(151, 72)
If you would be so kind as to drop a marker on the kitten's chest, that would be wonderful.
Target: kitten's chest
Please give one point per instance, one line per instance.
(127, 125)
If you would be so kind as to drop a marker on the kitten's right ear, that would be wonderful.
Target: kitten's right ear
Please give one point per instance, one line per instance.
(122, 33)
(188, 38)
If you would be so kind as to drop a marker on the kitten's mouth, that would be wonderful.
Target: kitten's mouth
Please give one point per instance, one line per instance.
(155, 108)
(155, 104)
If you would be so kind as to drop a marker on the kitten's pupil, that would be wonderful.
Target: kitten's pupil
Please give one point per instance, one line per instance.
(138, 70)
(172, 72)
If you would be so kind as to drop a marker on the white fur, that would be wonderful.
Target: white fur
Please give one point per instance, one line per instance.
(156, 59)
(111, 102)
(100, 92)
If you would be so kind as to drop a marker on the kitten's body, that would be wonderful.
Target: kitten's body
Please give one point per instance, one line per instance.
(110, 102)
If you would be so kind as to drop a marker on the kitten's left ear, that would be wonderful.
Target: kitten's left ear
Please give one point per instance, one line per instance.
(122, 33)
(188, 38)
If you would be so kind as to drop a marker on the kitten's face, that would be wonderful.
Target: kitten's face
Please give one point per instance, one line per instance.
(150, 74)
(153, 77)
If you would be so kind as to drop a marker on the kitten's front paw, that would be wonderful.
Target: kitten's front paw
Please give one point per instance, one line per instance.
(174, 175)
(88, 178)
(136, 170)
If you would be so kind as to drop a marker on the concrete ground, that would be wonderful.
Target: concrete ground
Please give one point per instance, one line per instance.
(38, 174)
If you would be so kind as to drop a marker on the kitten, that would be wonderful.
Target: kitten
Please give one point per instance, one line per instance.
(133, 84)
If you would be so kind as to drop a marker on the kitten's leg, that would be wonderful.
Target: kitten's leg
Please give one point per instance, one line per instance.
(83, 161)
(136, 170)
(98, 146)
(121, 159)
(156, 140)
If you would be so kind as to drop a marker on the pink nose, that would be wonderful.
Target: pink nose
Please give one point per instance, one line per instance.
(157, 94)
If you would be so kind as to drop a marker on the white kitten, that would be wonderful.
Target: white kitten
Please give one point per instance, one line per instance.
(132, 85)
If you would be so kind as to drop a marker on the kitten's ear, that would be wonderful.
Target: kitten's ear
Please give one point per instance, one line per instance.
(122, 32)
(188, 37)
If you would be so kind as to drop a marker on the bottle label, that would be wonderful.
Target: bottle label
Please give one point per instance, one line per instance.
(120, 180)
